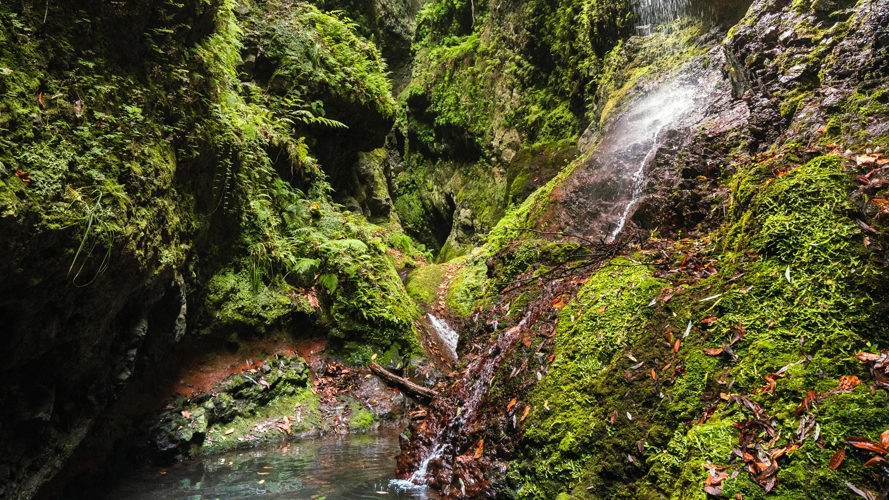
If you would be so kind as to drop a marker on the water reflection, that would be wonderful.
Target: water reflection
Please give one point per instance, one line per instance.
(350, 467)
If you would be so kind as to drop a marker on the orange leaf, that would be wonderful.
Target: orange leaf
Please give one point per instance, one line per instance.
(716, 351)
(479, 449)
(551, 358)
(511, 405)
(601, 309)
(874, 461)
(866, 444)
(709, 320)
(837, 459)
(653, 375)
(849, 382)
(525, 413)
(677, 345)
(884, 438)
(559, 303)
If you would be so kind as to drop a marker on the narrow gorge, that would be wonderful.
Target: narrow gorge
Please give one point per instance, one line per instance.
(444, 249)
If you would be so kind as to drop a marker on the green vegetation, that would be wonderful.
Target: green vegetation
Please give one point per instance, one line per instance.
(796, 294)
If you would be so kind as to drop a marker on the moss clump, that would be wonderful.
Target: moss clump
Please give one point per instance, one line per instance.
(569, 429)
(423, 283)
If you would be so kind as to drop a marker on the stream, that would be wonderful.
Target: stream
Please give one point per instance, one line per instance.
(332, 467)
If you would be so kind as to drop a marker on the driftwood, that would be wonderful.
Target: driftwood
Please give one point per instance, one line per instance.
(405, 385)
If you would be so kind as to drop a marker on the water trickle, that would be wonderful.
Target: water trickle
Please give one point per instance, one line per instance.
(652, 115)
(446, 334)
(653, 12)
(481, 372)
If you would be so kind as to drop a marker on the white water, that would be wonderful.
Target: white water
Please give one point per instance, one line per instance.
(482, 372)
(654, 12)
(446, 334)
(658, 111)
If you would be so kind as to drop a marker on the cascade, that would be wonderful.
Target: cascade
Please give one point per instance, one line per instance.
(653, 12)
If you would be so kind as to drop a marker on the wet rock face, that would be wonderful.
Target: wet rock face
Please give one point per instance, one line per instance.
(185, 426)
(797, 62)
(651, 166)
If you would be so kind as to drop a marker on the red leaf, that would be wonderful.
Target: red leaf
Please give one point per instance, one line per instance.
(709, 320)
(884, 438)
(837, 459)
(866, 444)
(874, 461)
(849, 383)
(24, 176)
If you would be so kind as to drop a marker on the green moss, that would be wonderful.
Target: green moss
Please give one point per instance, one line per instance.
(467, 286)
(254, 427)
(361, 418)
(423, 283)
(795, 275)
(569, 422)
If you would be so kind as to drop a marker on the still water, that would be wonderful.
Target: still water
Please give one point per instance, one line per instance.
(348, 467)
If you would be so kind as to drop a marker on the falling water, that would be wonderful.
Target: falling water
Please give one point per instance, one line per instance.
(446, 334)
(656, 112)
(653, 12)
(481, 372)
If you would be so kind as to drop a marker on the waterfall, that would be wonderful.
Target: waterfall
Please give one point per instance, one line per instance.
(653, 12)
(446, 334)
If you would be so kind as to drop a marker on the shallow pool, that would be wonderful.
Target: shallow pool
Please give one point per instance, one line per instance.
(348, 467)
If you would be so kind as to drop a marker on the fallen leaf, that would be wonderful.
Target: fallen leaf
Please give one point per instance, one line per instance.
(884, 438)
(837, 459)
(709, 320)
(866, 356)
(861, 160)
(869, 495)
(874, 461)
(525, 413)
(479, 449)
(601, 309)
(676, 345)
(849, 382)
(653, 375)
(229, 431)
(558, 303)
(511, 405)
(716, 351)
(866, 444)
(23, 176)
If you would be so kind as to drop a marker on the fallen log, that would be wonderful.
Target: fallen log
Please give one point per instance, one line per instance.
(406, 386)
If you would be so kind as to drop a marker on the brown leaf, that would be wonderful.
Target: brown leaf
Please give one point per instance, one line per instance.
(866, 357)
(558, 303)
(479, 449)
(869, 495)
(511, 405)
(837, 459)
(716, 351)
(884, 438)
(866, 444)
(874, 461)
(23, 176)
(849, 383)
(709, 320)
(525, 413)
(676, 345)
(653, 375)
